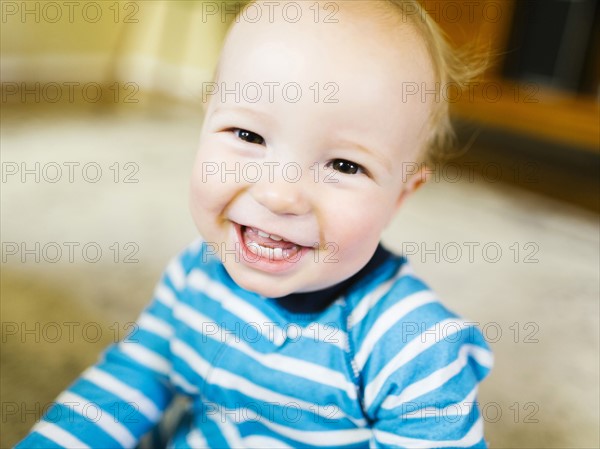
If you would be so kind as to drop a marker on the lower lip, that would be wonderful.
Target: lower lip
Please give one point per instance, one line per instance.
(264, 263)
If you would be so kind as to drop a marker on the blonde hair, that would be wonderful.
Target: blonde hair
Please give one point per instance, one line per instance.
(451, 67)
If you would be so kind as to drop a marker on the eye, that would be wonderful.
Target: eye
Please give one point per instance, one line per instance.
(248, 136)
(346, 167)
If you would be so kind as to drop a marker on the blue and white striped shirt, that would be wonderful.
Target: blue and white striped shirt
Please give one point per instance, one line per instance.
(386, 365)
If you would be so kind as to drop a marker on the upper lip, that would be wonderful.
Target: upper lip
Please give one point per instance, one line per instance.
(282, 235)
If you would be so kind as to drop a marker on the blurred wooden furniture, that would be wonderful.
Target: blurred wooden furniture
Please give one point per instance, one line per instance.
(530, 108)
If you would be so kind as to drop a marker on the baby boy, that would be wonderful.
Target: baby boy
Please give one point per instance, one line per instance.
(287, 324)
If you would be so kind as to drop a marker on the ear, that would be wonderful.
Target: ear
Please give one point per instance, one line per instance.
(411, 185)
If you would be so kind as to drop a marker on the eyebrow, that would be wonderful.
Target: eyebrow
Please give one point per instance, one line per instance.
(246, 110)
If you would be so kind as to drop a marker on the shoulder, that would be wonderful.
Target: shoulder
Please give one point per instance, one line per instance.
(196, 254)
(401, 332)
(393, 295)
(191, 274)
(196, 258)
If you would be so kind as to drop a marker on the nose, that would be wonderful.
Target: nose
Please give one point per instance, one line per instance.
(282, 195)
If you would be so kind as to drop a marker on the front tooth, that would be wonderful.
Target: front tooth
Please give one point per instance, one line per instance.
(276, 237)
(254, 248)
(262, 233)
(267, 253)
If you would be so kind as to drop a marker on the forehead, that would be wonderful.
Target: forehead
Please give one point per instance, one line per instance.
(359, 34)
(367, 60)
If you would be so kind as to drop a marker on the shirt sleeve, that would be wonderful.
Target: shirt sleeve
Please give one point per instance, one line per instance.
(118, 400)
(421, 367)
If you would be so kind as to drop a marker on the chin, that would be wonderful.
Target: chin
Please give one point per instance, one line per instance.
(267, 292)
(269, 287)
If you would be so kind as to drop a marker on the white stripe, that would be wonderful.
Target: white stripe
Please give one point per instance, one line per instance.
(146, 357)
(230, 381)
(306, 437)
(228, 430)
(301, 368)
(182, 383)
(441, 376)
(195, 247)
(327, 334)
(416, 346)
(165, 295)
(255, 318)
(362, 308)
(129, 394)
(473, 436)
(264, 442)
(195, 439)
(461, 408)
(92, 413)
(236, 306)
(155, 325)
(176, 274)
(322, 437)
(59, 435)
(226, 379)
(387, 320)
(191, 357)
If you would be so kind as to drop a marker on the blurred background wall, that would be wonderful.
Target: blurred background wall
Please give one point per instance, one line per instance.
(163, 46)
(100, 117)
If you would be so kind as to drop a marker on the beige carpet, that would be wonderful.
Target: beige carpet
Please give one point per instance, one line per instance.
(538, 302)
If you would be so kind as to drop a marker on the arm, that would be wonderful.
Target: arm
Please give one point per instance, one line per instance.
(420, 369)
(114, 403)
(437, 405)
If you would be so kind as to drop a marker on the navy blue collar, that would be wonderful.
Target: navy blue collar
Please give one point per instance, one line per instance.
(317, 301)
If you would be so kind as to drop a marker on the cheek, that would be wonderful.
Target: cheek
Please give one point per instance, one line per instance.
(197, 203)
(208, 198)
(199, 187)
(355, 224)
(208, 191)
(361, 236)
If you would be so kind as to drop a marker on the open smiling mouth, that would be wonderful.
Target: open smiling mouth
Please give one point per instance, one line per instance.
(269, 246)
(263, 250)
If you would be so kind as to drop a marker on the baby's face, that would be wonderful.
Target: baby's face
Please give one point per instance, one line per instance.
(304, 145)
